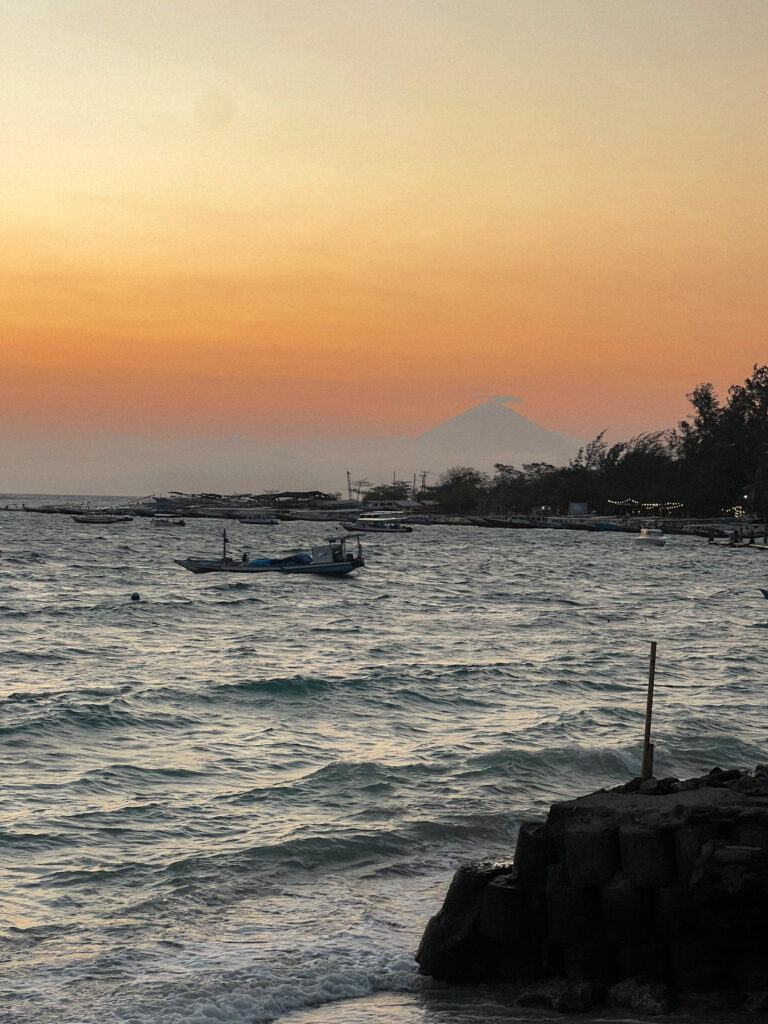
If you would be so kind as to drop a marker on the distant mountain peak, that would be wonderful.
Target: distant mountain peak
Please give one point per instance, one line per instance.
(492, 432)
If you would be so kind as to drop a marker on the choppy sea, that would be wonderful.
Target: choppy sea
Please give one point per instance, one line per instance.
(240, 800)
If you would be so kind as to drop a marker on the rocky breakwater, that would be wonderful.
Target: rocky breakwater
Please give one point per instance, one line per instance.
(637, 895)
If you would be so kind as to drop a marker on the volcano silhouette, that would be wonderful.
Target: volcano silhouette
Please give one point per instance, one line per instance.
(492, 432)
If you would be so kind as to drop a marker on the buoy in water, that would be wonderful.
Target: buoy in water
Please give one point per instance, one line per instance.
(135, 596)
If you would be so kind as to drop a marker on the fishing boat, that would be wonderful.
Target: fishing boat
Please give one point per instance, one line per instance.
(258, 519)
(377, 522)
(507, 522)
(101, 518)
(338, 556)
(649, 537)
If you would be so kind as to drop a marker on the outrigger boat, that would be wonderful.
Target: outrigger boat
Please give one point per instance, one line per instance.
(333, 558)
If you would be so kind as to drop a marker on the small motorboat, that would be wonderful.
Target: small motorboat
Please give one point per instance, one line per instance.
(168, 521)
(338, 556)
(378, 522)
(651, 537)
(102, 518)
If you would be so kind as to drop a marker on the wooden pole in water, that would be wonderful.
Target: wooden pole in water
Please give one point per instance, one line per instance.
(647, 770)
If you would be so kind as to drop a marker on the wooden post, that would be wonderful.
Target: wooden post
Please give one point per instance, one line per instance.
(647, 770)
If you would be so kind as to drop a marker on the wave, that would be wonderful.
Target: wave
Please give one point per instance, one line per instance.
(117, 776)
(291, 685)
(93, 717)
(38, 696)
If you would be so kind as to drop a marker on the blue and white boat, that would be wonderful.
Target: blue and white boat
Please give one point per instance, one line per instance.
(338, 556)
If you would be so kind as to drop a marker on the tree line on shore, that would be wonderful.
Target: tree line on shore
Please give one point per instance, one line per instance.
(713, 463)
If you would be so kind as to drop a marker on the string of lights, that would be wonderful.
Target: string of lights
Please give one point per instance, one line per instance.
(670, 506)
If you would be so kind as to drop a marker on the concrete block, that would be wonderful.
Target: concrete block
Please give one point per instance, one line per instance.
(513, 962)
(697, 966)
(627, 912)
(589, 961)
(687, 842)
(643, 959)
(573, 914)
(752, 835)
(591, 855)
(509, 911)
(534, 852)
(647, 856)
(671, 915)
(468, 883)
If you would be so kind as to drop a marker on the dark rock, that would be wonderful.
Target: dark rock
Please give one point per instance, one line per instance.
(668, 785)
(535, 998)
(758, 1002)
(749, 971)
(649, 786)
(642, 996)
(654, 1000)
(632, 786)
(718, 777)
(575, 999)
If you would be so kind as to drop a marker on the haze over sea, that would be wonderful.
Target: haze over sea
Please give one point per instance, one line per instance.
(241, 799)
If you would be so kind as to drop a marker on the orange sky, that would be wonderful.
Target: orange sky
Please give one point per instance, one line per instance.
(286, 218)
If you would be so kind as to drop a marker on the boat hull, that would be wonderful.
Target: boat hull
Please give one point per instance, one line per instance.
(319, 569)
(97, 520)
(368, 528)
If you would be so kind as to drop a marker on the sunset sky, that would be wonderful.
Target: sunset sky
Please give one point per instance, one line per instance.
(295, 218)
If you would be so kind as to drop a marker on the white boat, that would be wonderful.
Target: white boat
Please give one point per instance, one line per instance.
(378, 522)
(333, 558)
(651, 537)
(258, 518)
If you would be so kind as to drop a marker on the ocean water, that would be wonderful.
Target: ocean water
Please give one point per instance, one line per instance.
(240, 800)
